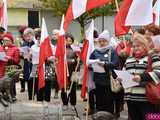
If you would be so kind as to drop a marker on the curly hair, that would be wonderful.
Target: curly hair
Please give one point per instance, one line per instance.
(153, 29)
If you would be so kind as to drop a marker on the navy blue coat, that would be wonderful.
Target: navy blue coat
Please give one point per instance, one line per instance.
(104, 78)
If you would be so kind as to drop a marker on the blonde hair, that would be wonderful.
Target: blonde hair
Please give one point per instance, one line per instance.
(137, 37)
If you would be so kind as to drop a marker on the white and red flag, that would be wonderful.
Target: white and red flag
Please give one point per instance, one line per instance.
(3, 15)
(156, 13)
(133, 13)
(78, 7)
(45, 53)
(61, 59)
(88, 47)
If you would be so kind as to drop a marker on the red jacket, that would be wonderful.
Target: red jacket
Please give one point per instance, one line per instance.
(13, 53)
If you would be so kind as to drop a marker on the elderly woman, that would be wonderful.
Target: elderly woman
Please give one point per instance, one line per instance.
(137, 64)
(28, 36)
(106, 60)
(71, 62)
(12, 58)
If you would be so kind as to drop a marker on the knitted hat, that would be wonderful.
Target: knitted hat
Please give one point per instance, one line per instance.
(9, 36)
(104, 35)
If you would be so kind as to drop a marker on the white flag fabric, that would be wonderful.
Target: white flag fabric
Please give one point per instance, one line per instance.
(3, 15)
(62, 27)
(90, 38)
(79, 7)
(156, 12)
(140, 13)
(44, 33)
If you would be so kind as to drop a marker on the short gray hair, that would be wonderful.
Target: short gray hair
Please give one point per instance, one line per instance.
(28, 31)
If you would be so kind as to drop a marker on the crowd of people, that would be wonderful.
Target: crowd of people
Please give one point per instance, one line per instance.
(20, 58)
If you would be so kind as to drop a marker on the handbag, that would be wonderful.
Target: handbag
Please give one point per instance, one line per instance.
(152, 89)
(75, 74)
(75, 77)
(49, 71)
(153, 92)
(115, 84)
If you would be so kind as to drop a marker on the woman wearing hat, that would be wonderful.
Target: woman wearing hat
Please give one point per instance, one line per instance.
(12, 58)
(137, 64)
(106, 60)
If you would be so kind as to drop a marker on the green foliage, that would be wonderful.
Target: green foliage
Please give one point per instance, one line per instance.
(60, 7)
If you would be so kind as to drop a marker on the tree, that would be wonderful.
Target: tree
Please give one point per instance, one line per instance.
(60, 7)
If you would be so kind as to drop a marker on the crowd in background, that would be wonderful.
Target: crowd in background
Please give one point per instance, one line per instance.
(131, 54)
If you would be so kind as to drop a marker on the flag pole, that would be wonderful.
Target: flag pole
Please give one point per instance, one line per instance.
(78, 61)
(65, 71)
(117, 6)
(87, 107)
(33, 87)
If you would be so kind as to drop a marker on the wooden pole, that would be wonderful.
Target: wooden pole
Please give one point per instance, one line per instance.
(117, 6)
(33, 87)
(87, 107)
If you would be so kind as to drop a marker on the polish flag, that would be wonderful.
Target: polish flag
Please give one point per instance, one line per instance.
(156, 12)
(60, 56)
(133, 13)
(3, 15)
(45, 52)
(88, 47)
(78, 7)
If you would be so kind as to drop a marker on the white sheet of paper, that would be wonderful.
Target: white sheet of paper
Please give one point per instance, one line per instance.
(25, 50)
(156, 41)
(91, 61)
(126, 77)
(2, 56)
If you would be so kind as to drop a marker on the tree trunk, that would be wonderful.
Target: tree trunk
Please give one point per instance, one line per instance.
(82, 31)
(82, 25)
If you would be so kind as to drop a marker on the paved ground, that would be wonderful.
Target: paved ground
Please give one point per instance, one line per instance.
(32, 110)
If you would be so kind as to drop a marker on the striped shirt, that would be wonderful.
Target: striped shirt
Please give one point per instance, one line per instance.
(140, 67)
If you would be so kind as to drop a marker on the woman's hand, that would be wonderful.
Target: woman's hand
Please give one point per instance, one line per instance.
(119, 79)
(101, 63)
(137, 78)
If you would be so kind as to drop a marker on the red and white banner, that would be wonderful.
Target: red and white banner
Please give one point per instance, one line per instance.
(140, 13)
(45, 53)
(88, 47)
(119, 22)
(156, 13)
(78, 7)
(133, 13)
(61, 58)
(3, 15)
